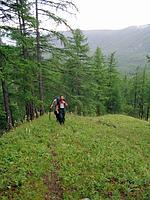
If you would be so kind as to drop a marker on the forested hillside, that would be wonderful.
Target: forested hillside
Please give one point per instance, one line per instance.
(130, 44)
(91, 84)
(90, 157)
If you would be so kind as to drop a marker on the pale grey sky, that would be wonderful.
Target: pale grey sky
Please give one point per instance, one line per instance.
(110, 14)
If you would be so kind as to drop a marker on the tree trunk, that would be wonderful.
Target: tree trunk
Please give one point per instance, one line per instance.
(142, 95)
(38, 58)
(41, 92)
(29, 106)
(30, 110)
(98, 112)
(147, 113)
(9, 118)
(135, 95)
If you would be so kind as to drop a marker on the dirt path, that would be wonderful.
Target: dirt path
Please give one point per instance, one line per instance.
(55, 190)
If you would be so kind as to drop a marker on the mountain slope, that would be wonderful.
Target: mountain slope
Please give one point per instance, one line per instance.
(98, 158)
(131, 44)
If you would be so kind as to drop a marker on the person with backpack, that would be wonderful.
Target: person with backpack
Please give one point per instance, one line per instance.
(60, 109)
(54, 106)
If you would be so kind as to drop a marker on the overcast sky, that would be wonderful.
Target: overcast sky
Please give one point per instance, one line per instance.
(110, 14)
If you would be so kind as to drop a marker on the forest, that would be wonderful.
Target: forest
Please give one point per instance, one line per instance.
(91, 83)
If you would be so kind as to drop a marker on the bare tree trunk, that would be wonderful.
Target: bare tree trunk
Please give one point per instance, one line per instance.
(142, 94)
(30, 111)
(135, 93)
(147, 113)
(110, 78)
(9, 118)
(98, 110)
(38, 57)
(41, 92)
(29, 107)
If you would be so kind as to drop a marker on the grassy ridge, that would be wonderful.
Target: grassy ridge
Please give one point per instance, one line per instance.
(100, 158)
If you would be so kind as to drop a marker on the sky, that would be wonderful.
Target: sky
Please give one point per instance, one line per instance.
(110, 14)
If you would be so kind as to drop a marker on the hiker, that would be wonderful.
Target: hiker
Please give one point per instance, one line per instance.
(60, 109)
(54, 106)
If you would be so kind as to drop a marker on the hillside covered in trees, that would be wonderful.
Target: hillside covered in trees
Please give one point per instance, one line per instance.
(91, 84)
(131, 45)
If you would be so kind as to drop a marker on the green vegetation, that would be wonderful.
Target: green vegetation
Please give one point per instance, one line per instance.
(91, 83)
(96, 157)
(24, 160)
(131, 45)
(103, 157)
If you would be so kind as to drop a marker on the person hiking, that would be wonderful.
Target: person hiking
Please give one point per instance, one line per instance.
(60, 109)
(54, 106)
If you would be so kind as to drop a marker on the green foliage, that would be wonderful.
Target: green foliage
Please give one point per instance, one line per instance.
(2, 115)
(24, 161)
(135, 93)
(99, 158)
(22, 66)
(2, 120)
(104, 157)
(92, 85)
(75, 71)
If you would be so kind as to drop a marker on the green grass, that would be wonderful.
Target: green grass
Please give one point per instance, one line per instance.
(100, 158)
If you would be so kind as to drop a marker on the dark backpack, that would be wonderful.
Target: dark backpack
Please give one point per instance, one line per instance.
(57, 99)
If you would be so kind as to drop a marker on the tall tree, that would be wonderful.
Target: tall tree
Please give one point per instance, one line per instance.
(142, 91)
(38, 58)
(113, 90)
(26, 21)
(75, 68)
(48, 9)
(6, 99)
(99, 80)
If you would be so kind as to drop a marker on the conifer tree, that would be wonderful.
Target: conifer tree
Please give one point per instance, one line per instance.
(113, 90)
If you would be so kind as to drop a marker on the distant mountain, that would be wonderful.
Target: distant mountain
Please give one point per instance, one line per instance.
(131, 44)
